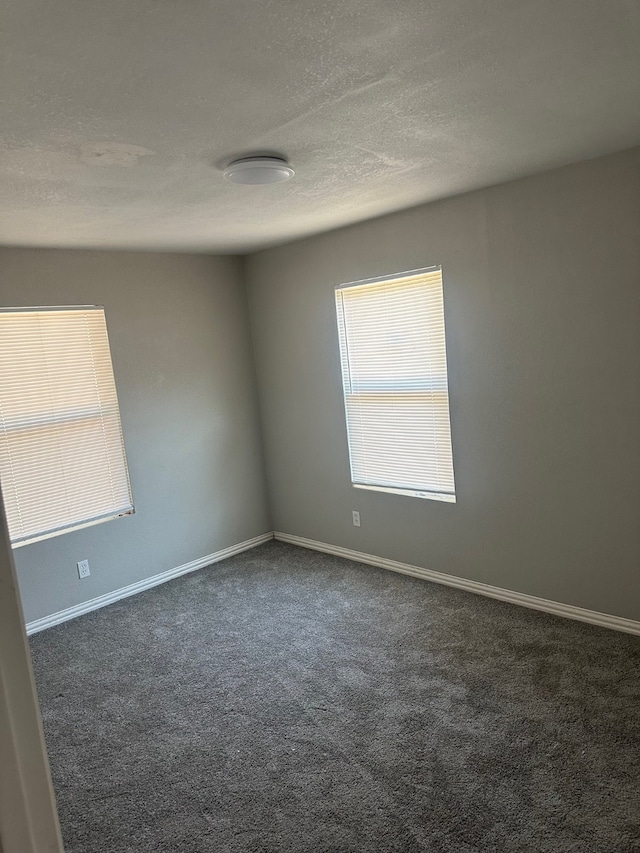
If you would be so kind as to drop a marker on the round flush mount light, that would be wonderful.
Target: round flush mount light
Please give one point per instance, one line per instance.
(258, 170)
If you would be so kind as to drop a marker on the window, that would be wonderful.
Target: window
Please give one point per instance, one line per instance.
(394, 374)
(62, 459)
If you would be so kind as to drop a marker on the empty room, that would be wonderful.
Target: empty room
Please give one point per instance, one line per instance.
(320, 427)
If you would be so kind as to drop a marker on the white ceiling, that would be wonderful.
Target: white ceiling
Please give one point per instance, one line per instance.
(118, 116)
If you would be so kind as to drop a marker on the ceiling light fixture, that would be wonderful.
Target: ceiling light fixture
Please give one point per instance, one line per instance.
(259, 170)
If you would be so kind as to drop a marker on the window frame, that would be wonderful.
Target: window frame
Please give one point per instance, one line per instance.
(103, 411)
(348, 392)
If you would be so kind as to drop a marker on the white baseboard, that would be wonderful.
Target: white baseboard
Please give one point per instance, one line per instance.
(140, 586)
(617, 623)
(593, 617)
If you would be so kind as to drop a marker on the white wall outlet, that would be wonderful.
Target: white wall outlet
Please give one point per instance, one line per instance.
(356, 518)
(83, 569)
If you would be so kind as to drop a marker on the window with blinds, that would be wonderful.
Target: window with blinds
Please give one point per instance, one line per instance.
(62, 457)
(394, 374)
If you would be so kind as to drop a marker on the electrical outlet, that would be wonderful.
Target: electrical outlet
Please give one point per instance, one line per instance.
(83, 569)
(356, 518)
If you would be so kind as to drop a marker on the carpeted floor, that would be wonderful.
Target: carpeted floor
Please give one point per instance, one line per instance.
(286, 700)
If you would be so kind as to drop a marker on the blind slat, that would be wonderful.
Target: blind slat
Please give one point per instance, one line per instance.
(394, 372)
(62, 457)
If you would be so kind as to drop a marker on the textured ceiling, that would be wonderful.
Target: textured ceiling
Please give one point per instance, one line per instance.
(118, 116)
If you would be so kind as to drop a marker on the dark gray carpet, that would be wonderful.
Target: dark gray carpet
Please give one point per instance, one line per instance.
(286, 700)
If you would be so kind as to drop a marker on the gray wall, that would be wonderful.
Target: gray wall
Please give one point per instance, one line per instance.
(542, 293)
(182, 361)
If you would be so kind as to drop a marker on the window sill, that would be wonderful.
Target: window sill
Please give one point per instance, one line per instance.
(413, 493)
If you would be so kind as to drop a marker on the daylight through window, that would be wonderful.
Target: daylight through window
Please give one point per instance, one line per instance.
(62, 458)
(394, 374)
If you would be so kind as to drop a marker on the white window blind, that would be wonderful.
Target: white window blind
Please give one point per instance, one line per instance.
(394, 374)
(62, 458)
